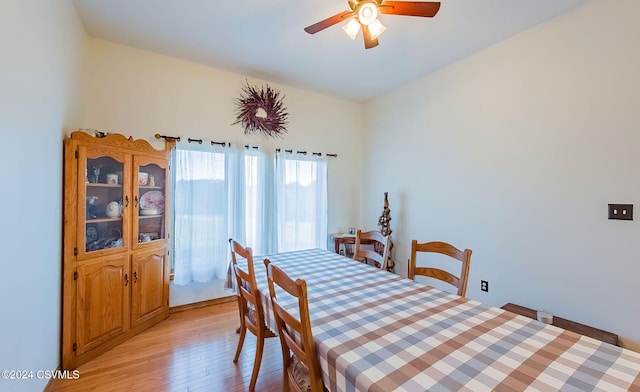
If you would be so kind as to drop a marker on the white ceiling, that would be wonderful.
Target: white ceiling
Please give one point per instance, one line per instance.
(264, 39)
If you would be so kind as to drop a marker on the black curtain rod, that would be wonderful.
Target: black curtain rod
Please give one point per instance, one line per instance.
(227, 144)
(190, 140)
(319, 154)
(199, 141)
(159, 136)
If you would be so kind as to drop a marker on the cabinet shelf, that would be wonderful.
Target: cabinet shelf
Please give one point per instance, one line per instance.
(101, 185)
(102, 220)
(149, 216)
(146, 187)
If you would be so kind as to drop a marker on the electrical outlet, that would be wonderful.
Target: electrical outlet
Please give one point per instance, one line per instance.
(484, 285)
(621, 211)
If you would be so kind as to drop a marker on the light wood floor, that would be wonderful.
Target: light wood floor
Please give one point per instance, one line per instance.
(189, 351)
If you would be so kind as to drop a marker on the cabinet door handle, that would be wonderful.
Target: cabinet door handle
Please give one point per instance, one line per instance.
(126, 201)
(135, 276)
(126, 279)
(135, 199)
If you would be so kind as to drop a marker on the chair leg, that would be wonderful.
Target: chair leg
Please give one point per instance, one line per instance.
(243, 332)
(256, 362)
(285, 381)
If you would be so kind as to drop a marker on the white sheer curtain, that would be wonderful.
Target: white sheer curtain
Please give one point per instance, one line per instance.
(222, 193)
(301, 199)
(204, 190)
(258, 227)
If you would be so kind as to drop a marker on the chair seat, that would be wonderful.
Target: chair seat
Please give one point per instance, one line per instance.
(300, 374)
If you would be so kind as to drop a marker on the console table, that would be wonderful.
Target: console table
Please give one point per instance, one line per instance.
(569, 325)
(342, 241)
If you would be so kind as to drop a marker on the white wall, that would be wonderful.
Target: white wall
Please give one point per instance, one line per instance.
(515, 153)
(41, 47)
(140, 93)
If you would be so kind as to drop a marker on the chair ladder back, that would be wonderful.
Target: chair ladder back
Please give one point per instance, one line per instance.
(249, 307)
(295, 333)
(247, 285)
(464, 256)
(439, 274)
(290, 326)
(360, 254)
(464, 275)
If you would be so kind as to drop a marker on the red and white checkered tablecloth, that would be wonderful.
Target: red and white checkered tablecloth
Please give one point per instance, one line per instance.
(376, 331)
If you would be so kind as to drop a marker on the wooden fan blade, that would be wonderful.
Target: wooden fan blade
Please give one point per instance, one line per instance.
(368, 41)
(323, 24)
(426, 9)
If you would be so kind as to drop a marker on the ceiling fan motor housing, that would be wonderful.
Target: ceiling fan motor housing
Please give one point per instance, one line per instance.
(367, 12)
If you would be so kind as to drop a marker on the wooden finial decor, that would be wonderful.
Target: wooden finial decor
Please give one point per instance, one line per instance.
(384, 223)
(385, 218)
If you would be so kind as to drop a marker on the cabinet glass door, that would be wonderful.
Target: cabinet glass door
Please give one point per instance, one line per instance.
(103, 221)
(149, 199)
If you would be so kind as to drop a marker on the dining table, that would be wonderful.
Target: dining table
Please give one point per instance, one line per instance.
(379, 332)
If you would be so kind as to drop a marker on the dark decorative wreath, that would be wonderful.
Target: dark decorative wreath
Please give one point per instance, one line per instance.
(261, 111)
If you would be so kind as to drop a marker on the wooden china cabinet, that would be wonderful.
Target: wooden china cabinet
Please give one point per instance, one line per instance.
(115, 264)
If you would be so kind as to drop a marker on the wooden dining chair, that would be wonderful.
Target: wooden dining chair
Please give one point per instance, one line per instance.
(299, 357)
(249, 306)
(379, 254)
(460, 282)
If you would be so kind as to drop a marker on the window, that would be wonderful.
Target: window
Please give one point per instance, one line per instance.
(201, 215)
(254, 204)
(221, 193)
(301, 195)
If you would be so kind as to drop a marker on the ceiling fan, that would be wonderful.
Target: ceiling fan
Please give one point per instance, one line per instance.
(364, 14)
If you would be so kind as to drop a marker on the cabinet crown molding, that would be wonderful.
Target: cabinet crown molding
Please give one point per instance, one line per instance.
(116, 140)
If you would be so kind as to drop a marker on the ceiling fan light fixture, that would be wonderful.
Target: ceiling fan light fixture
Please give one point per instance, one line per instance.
(376, 28)
(363, 14)
(367, 13)
(351, 28)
